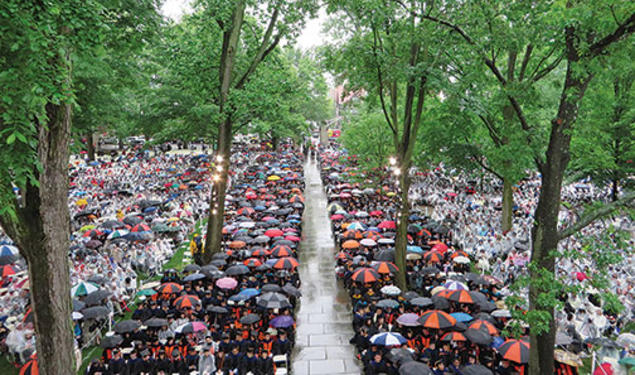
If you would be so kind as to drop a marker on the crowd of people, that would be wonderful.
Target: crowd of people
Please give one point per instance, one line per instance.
(453, 319)
(129, 215)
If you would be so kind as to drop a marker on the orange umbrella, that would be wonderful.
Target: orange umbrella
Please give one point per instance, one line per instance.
(365, 275)
(437, 319)
(386, 268)
(453, 336)
(30, 368)
(350, 244)
(515, 351)
(169, 288)
(484, 325)
(461, 296)
(246, 211)
(352, 235)
(280, 251)
(252, 262)
(296, 199)
(286, 263)
(342, 256)
(187, 301)
(237, 244)
(433, 256)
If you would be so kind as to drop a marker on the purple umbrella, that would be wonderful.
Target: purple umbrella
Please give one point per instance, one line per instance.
(408, 320)
(282, 321)
(226, 283)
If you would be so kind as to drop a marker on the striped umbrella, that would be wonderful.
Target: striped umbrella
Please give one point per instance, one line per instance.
(455, 285)
(437, 319)
(30, 368)
(365, 275)
(169, 288)
(117, 234)
(260, 253)
(83, 288)
(187, 301)
(453, 336)
(352, 235)
(515, 351)
(8, 250)
(252, 262)
(140, 228)
(388, 339)
(385, 268)
(280, 251)
(461, 296)
(433, 257)
(273, 300)
(484, 325)
(191, 327)
(287, 263)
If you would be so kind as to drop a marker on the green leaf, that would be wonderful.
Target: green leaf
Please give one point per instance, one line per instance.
(11, 138)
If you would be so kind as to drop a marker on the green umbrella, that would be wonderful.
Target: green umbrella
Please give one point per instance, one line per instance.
(146, 292)
(627, 361)
(160, 228)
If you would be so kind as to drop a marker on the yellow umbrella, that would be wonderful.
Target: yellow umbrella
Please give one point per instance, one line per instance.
(86, 227)
(173, 219)
(273, 178)
(81, 202)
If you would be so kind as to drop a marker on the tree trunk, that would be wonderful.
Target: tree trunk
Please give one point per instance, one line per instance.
(217, 198)
(508, 205)
(324, 135)
(615, 189)
(544, 233)
(401, 238)
(44, 242)
(90, 142)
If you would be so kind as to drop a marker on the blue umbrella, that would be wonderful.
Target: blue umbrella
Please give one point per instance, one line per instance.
(498, 341)
(194, 277)
(8, 250)
(149, 209)
(282, 321)
(462, 317)
(250, 292)
(414, 249)
(388, 339)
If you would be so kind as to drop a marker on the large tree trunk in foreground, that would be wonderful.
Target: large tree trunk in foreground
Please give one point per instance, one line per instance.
(217, 199)
(401, 239)
(508, 206)
(42, 231)
(90, 143)
(545, 236)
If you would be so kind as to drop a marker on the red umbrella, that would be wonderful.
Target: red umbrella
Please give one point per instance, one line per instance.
(30, 368)
(280, 251)
(386, 268)
(515, 351)
(437, 319)
(440, 247)
(140, 228)
(342, 256)
(337, 217)
(274, 233)
(246, 211)
(7, 270)
(93, 233)
(387, 224)
(293, 238)
(375, 213)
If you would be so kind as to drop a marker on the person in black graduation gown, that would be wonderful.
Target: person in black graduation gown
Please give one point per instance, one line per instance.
(147, 364)
(132, 364)
(191, 359)
(163, 363)
(282, 345)
(248, 362)
(264, 365)
(116, 365)
(232, 360)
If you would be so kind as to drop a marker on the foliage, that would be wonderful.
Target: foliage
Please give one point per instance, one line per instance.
(367, 136)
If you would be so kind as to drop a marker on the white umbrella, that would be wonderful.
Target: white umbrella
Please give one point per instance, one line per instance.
(502, 313)
(461, 260)
(391, 290)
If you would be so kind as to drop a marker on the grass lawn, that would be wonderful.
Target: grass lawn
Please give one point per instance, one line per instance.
(88, 354)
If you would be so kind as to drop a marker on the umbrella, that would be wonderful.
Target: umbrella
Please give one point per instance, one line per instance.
(250, 319)
(421, 301)
(291, 290)
(626, 340)
(168, 288)
(408, 320)
(453, 336)
(515, 351)
(387, 303)
(187, 301)
(485, 326)
(476, 370)
(388, 339)
(217, 309)
(226, 283)
(155, 322)
(280, 251)
(95, 312)
(286, 263)
(194, 277)
(461, 296)
(350, 244)
(8, 259)
(8, 250)
(478, 336)
(400, 355)
(390, 290)
(191, 327)
(126, 326)
(96, 297)
(461, 317)
(111, 341)
(78, 305)
(237, 269)
(282, 321)
(270, 288)
(368, 242)
(414, 368)
(365, 275)
(7, 270)
(273, 300)
(83, 288)
(437, 319)
(503, 313)
(385, 268)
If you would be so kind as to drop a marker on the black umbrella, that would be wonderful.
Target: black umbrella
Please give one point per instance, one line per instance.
(97, 279)
(486, 306)
(270, 288)
(78, 305)
(478, 336)
(218, 262)
(7, 259)
(485, 316)
(95, 312)
(421, 301)
(410, 295)
(476, 370)
(96, 297)
(429, 271)
(238, 269)
(217, 309)
(440, 303)
(250, 319)
(386, 255)
(291, 290)
(155, 322)
(414, 368)
(132, 220)
(400, 356)
(273, 300)
(111, 341)
(126, 326)
(112, 224)
(220, 256)
(192, 268)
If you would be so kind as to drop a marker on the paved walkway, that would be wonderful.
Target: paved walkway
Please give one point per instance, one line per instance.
(324, 318)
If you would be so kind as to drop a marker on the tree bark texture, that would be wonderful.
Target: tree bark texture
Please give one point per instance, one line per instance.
(508, 205)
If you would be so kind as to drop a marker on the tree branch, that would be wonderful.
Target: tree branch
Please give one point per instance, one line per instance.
(262, 49)
(625, 28)
(591, 214)
(547, 69)
(492, 132)
(381, 81)
(523, 67)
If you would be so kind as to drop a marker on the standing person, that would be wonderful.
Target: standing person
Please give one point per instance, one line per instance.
(207, 362)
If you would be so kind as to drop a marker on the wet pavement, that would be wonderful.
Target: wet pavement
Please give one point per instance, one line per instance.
(324, 320)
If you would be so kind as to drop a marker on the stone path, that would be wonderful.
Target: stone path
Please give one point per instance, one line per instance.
(324, 318)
